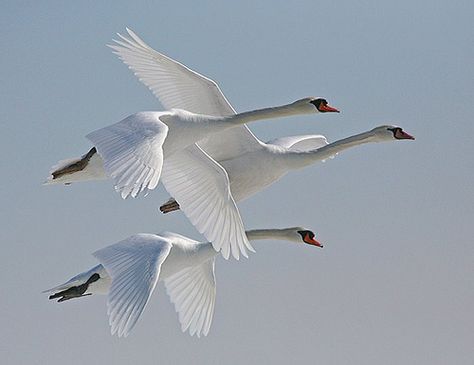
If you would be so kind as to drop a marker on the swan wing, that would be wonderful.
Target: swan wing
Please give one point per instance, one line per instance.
(134, 265)
(174, 84)
(301, 143)
(193, 293)
(202, 188)
(132, 151)
(177, 86)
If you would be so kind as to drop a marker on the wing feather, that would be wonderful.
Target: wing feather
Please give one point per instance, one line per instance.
(193, 293)
(132, 151)
(201, 186)
(174, 84)
(134, 265)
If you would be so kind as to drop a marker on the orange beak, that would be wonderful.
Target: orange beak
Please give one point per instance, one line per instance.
(328, 108)
(404, 135)
(312, 241)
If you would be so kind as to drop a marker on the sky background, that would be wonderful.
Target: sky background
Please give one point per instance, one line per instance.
(394, 283)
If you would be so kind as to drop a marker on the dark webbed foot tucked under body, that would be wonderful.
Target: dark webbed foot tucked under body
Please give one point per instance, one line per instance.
(170, 206)
(75, 291)
(76, 166)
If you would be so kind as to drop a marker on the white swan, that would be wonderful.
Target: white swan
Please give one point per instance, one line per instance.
(130, 270)
(250, 163)
(255, 170)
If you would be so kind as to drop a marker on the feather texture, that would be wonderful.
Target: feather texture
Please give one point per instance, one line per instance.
(134, 266)
(201, 186)
(193, 293)
(132, 151)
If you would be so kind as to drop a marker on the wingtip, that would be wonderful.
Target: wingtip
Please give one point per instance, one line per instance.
(122, 37)
(225, 255)
(249, 246)
(130, 32)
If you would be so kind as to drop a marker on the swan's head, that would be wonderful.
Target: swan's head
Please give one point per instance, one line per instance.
(315, 105)
(303, 235)
(390, 133)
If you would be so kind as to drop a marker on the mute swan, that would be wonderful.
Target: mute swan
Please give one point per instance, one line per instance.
(130, 270)
(250, 163)
(255, 170)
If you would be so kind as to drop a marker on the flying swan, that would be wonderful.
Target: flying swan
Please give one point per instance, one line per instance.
(130, 269)
(254, 170)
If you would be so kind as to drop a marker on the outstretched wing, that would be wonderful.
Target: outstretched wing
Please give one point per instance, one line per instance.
(174, 84)
(132, 151)
(201, 186)
(134, 265)
(193, 293)
(177, 86)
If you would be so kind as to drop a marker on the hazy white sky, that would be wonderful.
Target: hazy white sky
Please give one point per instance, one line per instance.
(394, 283)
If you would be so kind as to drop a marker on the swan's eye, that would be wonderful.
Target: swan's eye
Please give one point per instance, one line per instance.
(316, 102)
(394, 131)
(305, 234)
(302, 234)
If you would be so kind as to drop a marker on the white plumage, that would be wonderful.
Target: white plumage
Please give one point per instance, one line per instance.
(130, 269)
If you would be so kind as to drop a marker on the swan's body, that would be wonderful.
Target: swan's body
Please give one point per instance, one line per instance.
(255, 170)
(130, 270)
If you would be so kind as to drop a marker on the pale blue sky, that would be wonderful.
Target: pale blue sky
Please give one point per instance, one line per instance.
(394, 283)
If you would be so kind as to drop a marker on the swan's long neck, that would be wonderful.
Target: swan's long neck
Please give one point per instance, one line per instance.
(266, 234)
(295, 108)
(206, 251)
(300, 159)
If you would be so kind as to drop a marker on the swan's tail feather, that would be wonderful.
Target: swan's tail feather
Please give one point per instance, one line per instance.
(170, 206)
(86, 167)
